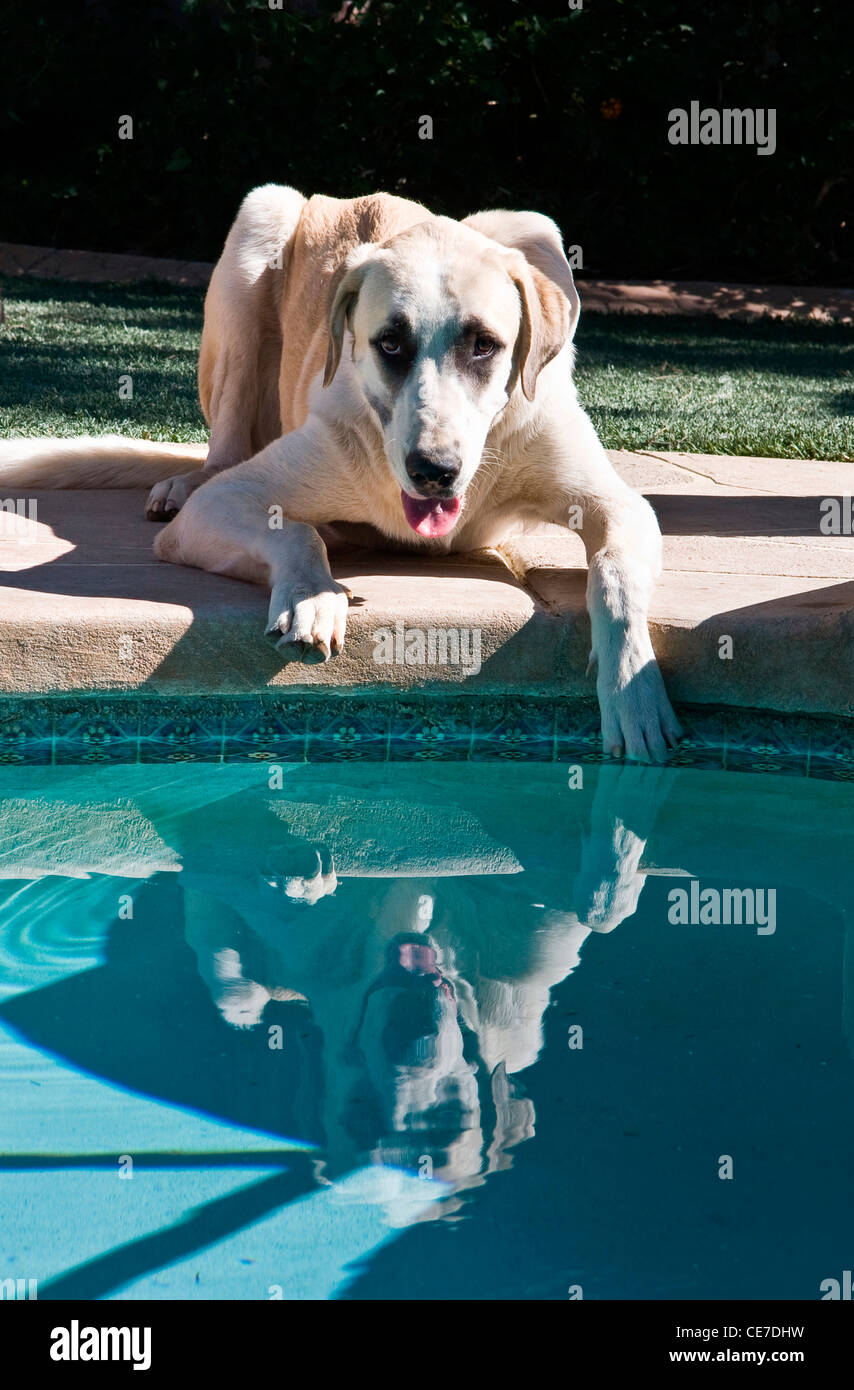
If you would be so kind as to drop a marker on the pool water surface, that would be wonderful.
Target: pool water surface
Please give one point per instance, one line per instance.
(436, 1031)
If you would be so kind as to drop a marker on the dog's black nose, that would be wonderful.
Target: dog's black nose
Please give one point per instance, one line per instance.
(432, 474)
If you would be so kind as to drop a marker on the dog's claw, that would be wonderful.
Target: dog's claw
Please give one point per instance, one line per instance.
(308, 627)
(309, 653)
(168, 496)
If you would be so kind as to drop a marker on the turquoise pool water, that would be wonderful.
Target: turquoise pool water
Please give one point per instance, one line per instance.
(369, 1031)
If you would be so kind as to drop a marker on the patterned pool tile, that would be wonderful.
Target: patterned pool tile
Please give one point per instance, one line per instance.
(26, 734)
(180, 731)
(99, 730)
(431, 731)
(263, 729)
(432, 728)
(359, 732)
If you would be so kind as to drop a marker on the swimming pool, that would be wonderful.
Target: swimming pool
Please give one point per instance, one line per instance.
(438, 1030)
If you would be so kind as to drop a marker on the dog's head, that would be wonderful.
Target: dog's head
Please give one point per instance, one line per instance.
(448, 320)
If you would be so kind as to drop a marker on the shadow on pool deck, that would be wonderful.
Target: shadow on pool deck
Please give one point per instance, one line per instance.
(88, 609)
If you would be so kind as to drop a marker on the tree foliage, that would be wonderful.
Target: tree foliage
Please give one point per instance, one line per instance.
(543, 106)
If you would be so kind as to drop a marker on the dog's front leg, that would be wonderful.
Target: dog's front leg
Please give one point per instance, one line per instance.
(308, 608)
(234, 526)
(623, 547)
(623, 544)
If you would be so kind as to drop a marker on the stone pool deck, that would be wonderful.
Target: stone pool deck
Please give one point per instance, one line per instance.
(85, 608)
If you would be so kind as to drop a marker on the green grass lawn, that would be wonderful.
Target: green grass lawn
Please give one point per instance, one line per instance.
(701, 385)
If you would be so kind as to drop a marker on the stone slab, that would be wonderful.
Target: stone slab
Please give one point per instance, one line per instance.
(85, 607)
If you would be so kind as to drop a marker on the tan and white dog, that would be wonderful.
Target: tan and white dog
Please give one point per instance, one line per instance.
(364, 361)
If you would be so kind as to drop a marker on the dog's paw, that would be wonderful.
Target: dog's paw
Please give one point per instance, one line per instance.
(167, 497)
(309, 627)
(637, 719)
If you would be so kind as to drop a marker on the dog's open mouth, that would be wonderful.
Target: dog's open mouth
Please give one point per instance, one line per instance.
(431, 516)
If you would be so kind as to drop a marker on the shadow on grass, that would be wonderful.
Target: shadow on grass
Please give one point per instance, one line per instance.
(840, 402)
(139, 295)
(813, 350)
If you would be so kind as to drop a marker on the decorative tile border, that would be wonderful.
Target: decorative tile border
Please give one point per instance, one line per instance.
(351, 728)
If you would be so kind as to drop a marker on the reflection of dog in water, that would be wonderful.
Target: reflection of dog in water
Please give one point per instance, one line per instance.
(429, 990)
(414, 1085)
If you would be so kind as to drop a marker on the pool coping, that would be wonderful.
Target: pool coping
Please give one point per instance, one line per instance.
(754, 608)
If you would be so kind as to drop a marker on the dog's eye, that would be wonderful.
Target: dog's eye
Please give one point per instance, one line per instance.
(390, 344)
(484, 346)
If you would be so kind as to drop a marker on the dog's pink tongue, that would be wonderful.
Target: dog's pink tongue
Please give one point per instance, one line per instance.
(431, 516)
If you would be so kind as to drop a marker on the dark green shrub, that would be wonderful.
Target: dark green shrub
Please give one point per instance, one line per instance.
(532, 105)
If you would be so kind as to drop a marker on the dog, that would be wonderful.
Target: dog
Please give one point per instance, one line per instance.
(431, 406)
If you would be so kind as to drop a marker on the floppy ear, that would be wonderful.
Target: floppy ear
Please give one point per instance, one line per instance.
(545, 323)
(343, 293)
(539, 241)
